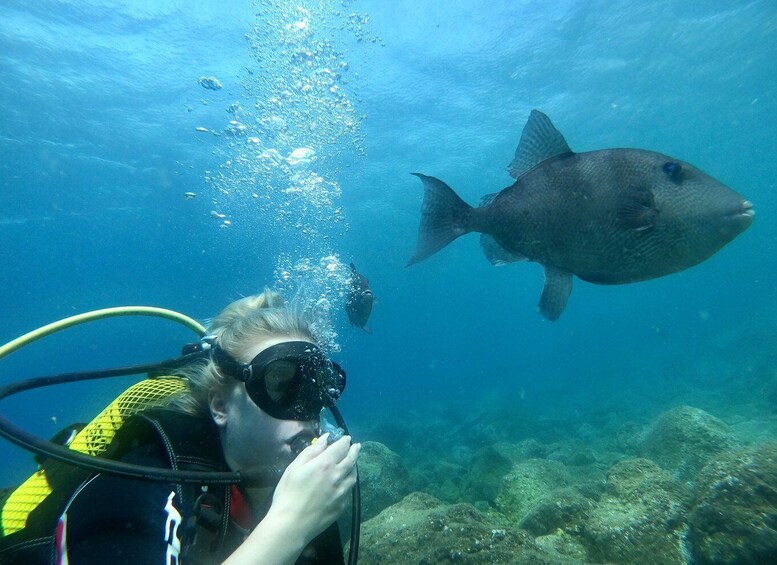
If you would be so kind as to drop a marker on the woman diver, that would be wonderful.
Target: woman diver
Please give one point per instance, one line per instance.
(251, 405)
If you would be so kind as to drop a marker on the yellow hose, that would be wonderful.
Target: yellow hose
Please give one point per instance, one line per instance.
(54, 327)
(98, 433)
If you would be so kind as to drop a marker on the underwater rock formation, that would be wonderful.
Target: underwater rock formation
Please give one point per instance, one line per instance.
(734, 515)
(563, 509)
(684, 439)
(422, 529)
(383, 478)
(677, 490)
(640, 517)
(527, 484)
(484, 477)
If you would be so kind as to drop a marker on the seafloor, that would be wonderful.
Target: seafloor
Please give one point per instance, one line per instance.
(661, 483)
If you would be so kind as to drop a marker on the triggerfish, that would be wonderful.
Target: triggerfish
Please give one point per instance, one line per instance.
(358, 300)
(612, 216)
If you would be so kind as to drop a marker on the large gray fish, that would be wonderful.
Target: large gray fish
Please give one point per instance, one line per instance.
(612, 216)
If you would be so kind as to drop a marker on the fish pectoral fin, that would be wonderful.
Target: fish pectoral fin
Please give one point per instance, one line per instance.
(636, 209)
(555, 293)
(540, 141)
(496, 253)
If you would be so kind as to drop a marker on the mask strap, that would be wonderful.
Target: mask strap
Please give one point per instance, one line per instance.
(233, 368)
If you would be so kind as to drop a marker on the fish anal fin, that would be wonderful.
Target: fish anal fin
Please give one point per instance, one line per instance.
(540, 141)
(496, 253)
(555, 293)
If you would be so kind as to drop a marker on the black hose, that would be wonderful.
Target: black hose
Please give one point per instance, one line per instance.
(356, 499)
(43, 447)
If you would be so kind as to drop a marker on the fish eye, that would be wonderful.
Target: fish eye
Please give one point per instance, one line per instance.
(673, 170)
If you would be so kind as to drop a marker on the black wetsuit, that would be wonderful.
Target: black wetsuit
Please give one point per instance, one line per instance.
(114, 520)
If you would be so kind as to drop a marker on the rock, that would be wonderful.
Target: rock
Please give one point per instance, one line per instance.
(639, 518)
(439, 478)
(526, 449)
(571, 452)
(383, 478)
(734, 515)
(635, 480)
(628, 437)
(485, 475)
(422, 529)
(587, 432)
(564, 544)
(684, 439)
(564, 509)
(527, 484)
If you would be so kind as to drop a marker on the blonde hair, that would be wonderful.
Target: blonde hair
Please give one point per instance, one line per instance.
(238, 327)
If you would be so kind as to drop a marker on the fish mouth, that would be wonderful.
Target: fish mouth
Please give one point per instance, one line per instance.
(746, 209)
(744, 213)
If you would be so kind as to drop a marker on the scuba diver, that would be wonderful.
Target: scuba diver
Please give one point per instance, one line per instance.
(249, 404)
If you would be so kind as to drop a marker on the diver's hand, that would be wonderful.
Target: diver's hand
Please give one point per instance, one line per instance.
(311, 494)
(315, 487)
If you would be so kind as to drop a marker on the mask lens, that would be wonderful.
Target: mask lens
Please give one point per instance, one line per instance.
(278, 379)
(289, 381)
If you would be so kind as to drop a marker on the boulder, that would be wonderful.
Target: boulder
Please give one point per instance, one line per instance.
(383, 478)
(639, 519)
(422, 529)
(734, 514)
(528, 484)
(684, 439)
(484, 477)
(563, 510)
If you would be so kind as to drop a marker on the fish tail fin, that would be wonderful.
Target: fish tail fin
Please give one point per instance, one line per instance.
(444, 217)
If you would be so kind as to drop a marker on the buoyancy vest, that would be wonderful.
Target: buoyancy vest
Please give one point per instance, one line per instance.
(92, 439)
(189, 443)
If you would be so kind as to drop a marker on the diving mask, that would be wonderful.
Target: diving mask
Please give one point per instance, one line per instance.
(292, 380)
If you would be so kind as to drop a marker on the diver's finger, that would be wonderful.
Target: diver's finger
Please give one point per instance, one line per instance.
(348, 481)
(337, 450)
(349, 461)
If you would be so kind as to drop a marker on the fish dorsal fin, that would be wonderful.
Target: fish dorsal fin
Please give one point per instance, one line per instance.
(540, 140)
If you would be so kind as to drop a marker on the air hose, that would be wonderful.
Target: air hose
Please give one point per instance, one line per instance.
(66, 323)
(46, 448)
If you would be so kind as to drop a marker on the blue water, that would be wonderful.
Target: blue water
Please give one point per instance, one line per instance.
(99, 110)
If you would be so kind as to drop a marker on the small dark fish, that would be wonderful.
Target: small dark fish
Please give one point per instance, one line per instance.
(612, 216)
(358, 302)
